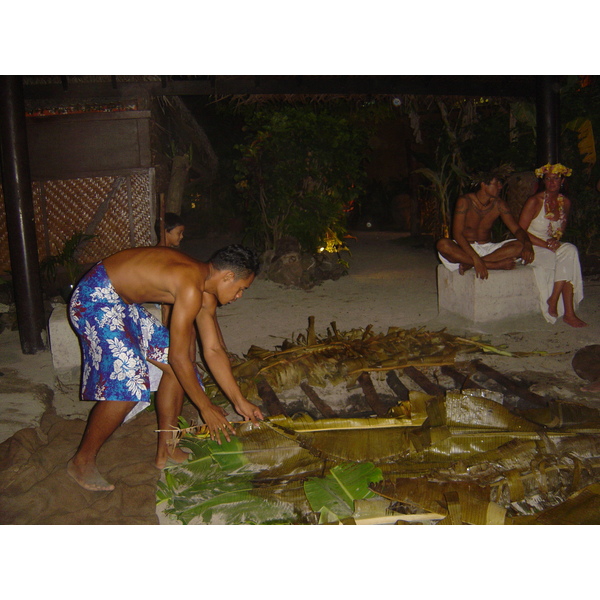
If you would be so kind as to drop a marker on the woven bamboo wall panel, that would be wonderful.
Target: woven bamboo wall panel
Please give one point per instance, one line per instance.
(117, 210)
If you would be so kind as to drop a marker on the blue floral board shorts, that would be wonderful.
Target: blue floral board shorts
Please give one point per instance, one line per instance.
(117, 339)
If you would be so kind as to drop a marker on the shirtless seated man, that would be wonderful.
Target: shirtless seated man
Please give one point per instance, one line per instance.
(474, 215)
(119, 338)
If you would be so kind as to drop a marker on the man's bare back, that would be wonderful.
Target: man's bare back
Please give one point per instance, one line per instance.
(195, 289)
(154, 274)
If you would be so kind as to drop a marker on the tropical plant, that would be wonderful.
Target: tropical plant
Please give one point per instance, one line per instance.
(443, 185)
(580, 116)
(448, 176)
(299, 170)
(66, 261)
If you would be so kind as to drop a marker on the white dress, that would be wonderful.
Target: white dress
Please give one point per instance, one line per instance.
(548, 266)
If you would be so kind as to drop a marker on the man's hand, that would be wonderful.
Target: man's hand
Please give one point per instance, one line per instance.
(480, 268)
(249, 411)
(214, 418)
(527, 253)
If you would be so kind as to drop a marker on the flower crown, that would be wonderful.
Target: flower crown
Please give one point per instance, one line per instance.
(557, 169)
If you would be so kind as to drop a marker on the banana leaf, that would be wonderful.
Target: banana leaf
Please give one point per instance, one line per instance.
(230, 502)
(470, 410)
(265, 451)
(465, 458)
(581, 508)
(341, 487)
(563, 414)
(374, 511)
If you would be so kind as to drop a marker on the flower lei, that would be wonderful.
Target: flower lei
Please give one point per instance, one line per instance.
(560, 204)
(557, 169)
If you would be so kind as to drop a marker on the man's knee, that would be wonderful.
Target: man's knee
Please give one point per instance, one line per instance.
(443, 244)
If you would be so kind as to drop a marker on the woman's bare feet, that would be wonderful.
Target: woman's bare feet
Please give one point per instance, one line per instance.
(574, 321)
(176, 455)
(552, 307)
(463, 267)
(88, 477)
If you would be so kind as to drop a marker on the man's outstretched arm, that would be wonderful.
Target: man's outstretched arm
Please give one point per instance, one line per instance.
(218, 362)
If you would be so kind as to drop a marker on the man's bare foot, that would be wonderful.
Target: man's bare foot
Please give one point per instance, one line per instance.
(463, 267)
(177, 455)
(574, 321)
(594, 386)
(552, 308)
(89, 478)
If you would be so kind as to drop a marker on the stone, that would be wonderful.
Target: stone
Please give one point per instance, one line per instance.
(504, 294)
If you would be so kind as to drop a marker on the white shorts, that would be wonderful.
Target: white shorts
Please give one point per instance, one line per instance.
(481, 250)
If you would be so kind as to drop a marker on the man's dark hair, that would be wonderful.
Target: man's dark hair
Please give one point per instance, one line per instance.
(500, 173)
(172, 220)
(239, 259)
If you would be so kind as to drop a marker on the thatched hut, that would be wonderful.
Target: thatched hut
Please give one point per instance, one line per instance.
(99, 165)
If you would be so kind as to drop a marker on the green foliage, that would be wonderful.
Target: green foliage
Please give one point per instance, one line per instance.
(335, 494)
(578, 105)
(300, 169)
(228, 483)
(66, 259)
(494, 139)
(215, 486)
(444, 183)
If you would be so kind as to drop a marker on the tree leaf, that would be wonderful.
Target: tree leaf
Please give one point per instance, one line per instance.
(338, 490)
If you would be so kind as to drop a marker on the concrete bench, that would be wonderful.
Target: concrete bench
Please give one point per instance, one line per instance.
(504, 294)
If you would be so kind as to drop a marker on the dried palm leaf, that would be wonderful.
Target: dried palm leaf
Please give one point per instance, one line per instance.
(470, 501)
(581, 508)
(473, 410)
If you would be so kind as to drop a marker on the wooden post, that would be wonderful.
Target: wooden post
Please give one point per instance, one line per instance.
(20, 222)
(162, 241)
(548, 119)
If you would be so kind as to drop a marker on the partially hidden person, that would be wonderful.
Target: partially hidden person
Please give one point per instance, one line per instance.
(174, 230)
(120, 339)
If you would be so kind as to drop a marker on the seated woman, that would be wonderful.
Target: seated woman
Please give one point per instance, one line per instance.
(556, 264)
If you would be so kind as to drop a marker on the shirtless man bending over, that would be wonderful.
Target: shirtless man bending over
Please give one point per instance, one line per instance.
(119, 338)
(474, 215)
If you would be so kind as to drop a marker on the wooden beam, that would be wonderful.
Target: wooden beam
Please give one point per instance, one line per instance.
(511, 386)
(520, 86)
(322, 406)
(423, 382)
(371, 395)
(461, 381)
(397, 386)
(272, 403)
